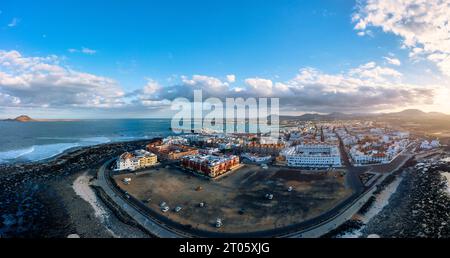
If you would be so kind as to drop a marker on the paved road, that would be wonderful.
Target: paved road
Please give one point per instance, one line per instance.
(151, 225)
(315, 227)
(337, 220)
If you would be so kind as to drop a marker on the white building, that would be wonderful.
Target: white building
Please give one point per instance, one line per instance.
(402, 135)
(127, 161)
(430, 145)
(209, 151)
(313, 155)
(376, 153)
(256, 158)
(136, 160)
(360, 158)
(175, 140)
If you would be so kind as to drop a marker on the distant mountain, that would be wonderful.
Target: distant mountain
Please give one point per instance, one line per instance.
(405, 115)
(22, 118)
(414, 114)
(324, 117)
(25, 118)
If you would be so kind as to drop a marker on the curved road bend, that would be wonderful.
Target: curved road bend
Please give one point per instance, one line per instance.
(315, 227)
(156, 228)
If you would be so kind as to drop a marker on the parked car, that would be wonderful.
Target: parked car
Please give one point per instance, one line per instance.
(165, 209)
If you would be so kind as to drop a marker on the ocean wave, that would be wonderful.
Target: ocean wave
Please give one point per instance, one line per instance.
(36, 152)
(14, 154)
(41, 152)
(97, 139)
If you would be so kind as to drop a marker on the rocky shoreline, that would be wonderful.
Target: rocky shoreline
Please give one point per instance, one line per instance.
(37, 199)
(419, 209)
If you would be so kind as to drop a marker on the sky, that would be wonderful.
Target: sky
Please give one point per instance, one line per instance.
(126, 59)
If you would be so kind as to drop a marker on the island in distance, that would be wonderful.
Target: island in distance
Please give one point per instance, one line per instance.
(21, 118)
(25, 119)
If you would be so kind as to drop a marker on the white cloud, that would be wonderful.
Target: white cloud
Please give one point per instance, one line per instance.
(43, 82)
(261, 87)
(424, 26)
(377, 73)
(365, 88)
(151, 87)
(7, 100)
(14, 22)
(207, 83)
(231, 78)
(29, 82)
(368, 87)
(83, 50)
(88, 51)
(392, 61)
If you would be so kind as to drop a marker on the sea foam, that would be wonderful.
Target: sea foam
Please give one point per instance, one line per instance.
(40, 152)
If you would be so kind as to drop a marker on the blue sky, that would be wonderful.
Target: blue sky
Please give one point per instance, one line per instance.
(132, 42)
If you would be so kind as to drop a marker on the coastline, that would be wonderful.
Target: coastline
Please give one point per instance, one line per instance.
(419, 208)
(70, 151)
(380, 201)
(47, 205)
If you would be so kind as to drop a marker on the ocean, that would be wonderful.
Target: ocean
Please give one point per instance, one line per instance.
(34, 141)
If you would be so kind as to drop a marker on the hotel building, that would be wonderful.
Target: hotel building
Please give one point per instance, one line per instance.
(313, 156)
(137, 160)
(171, 151)
(209, 165)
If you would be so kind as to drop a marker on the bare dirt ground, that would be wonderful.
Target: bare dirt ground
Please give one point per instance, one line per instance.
(83, 212)
(239, 198)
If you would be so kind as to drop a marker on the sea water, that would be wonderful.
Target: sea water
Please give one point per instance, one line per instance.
(33, 141)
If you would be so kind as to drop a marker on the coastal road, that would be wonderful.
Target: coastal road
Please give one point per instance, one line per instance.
(153, 226)
(309, 229)
(314, 228)
(337, 220)
(347, 213)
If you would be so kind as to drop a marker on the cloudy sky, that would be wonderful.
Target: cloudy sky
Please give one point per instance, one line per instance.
(110, 59)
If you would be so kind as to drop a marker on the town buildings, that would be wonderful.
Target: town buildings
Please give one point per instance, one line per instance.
(313, 156)
(427, 145)
(210, 165)
(368, 143)
(261, 148)
(171, 152)
(256, 158)
(138, 159)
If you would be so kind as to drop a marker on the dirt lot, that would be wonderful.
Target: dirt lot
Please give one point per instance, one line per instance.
(238, 198)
